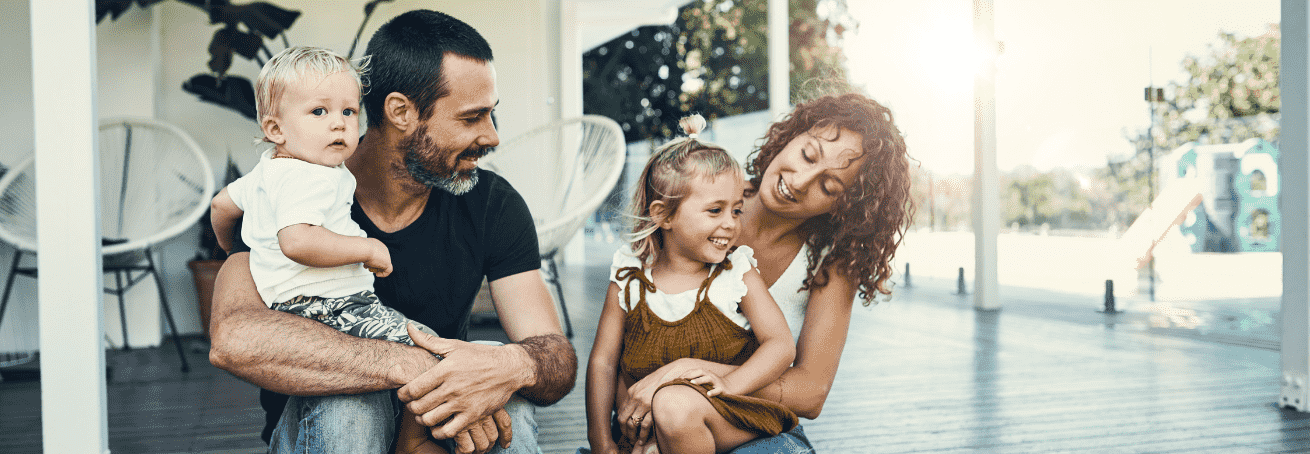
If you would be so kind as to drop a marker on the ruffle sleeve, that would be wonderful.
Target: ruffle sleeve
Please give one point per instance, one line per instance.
(730, 286)
(623, 258)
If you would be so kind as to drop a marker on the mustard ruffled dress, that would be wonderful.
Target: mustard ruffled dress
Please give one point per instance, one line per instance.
(704, 324)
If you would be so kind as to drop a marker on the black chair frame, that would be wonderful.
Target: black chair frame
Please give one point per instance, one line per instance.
(123, 266)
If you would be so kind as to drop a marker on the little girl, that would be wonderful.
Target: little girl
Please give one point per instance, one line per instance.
(682, 291)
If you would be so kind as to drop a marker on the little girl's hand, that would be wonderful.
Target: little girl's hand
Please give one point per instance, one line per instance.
(379, 261)
(711, 380)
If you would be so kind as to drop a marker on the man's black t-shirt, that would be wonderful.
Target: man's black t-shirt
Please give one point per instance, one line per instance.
(440, 259)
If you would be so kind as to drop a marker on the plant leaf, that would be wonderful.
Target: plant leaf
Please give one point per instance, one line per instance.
(264, 18)
(232, 92)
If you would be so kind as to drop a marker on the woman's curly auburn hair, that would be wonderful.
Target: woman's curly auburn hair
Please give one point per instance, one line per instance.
(868, 220)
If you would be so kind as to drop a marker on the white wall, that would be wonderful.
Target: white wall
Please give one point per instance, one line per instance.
(145, 56)
(518, 31)
(16, 79)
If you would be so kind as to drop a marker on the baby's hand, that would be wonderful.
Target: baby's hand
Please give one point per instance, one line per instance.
(716, 384)
(379, 260)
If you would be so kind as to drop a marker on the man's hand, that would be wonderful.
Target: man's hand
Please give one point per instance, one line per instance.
(478, 437)
(470, 382)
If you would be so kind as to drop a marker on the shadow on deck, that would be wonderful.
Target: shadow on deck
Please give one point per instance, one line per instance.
(923, 372)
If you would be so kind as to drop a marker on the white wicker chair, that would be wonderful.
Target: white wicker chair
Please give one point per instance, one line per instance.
(154, 184)
(582, 158)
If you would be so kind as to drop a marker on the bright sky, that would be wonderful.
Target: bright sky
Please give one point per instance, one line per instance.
(1068, 85)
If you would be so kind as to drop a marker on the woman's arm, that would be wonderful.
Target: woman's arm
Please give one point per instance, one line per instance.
(294, 355)
(804, 387)
(602, 371)
(776, 350)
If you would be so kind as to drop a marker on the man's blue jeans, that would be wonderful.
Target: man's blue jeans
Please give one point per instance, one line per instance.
(366, 423)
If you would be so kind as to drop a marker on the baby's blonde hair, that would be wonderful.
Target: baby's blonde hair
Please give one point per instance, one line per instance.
(293, 65)
(667, 176)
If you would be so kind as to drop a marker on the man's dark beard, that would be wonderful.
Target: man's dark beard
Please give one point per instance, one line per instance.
(442, 177)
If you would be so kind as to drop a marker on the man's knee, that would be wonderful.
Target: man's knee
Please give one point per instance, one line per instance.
(330, 424)
(523, 423)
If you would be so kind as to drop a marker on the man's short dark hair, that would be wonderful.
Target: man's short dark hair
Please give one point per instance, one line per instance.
(406, 54)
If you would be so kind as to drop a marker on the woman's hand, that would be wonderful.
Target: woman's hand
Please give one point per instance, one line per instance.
(633, 413)
(634, 402)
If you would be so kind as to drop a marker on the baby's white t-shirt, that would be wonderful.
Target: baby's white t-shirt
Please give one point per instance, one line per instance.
(286, 191)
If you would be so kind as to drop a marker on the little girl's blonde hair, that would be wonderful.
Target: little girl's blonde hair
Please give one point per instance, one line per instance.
(667, 177)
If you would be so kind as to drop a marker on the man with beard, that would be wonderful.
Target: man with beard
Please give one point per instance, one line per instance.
(447, 226)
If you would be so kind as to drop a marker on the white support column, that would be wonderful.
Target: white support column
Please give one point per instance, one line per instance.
(1294, 202)
(73, 411)
(570, 102)
(987, 199)
(779, 59)
(570, 56)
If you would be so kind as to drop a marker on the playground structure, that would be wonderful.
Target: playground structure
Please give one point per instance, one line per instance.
(1215, 199)
(1238, 184)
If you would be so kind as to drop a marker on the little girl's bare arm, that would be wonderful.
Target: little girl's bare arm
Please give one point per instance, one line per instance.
(223, 217)
(316, 246)
(777, 349)
(602, 371)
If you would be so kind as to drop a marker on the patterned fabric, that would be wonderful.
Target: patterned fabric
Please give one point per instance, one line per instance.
(359, 315)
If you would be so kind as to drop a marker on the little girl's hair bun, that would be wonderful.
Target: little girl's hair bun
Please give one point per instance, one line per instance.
(692, 125)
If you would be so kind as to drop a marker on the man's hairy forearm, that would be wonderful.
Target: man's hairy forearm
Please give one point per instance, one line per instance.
(556, 368)
(304, 357)
(295, 355)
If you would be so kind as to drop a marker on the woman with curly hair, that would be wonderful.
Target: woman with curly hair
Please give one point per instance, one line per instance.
(827, 205)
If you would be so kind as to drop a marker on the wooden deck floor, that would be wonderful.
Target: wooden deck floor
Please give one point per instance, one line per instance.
(921, 373)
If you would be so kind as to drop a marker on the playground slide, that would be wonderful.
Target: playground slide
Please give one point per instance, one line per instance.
(1167, 211)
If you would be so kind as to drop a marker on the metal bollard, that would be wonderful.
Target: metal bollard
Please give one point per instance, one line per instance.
(907, 274)
(960, 290)
(1109, 297)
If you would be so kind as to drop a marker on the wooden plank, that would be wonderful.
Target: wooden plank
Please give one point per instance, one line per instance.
(921, 373)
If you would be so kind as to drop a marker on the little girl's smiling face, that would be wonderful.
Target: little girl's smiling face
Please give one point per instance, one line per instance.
(705, 224)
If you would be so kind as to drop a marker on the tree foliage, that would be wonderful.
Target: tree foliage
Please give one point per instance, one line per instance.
(1231, 95)
(712, 60)
(1059, 198)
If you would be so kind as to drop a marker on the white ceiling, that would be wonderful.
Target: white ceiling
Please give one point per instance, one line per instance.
(599, 21)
